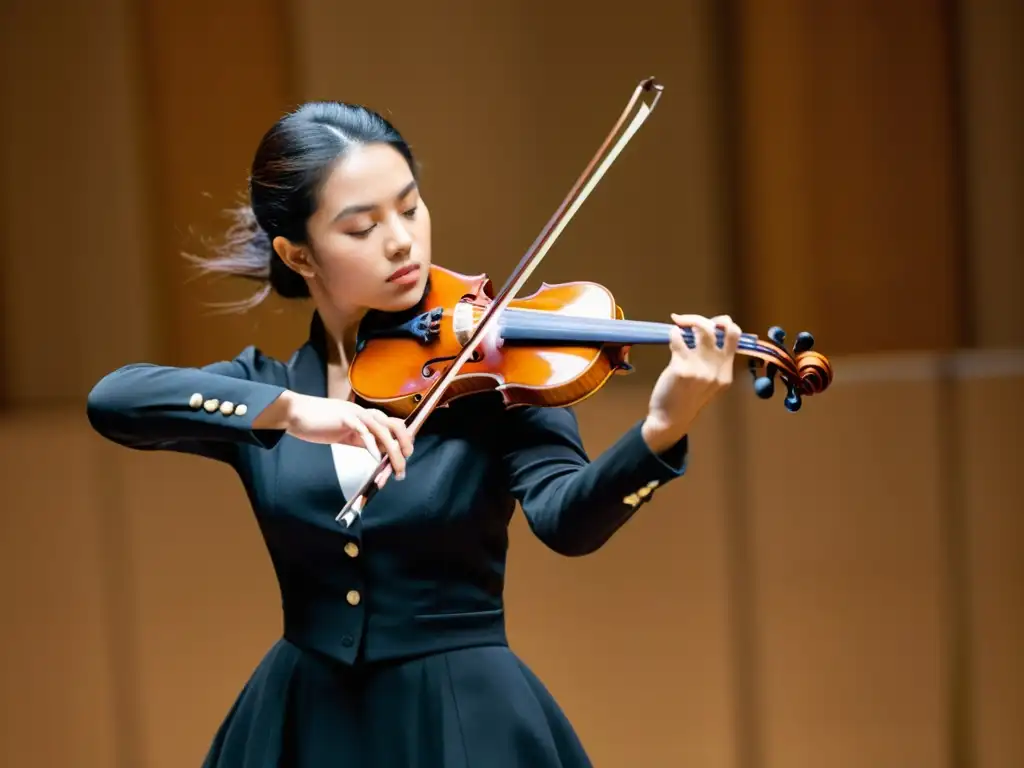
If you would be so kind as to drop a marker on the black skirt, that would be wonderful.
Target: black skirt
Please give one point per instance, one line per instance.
(476, 707)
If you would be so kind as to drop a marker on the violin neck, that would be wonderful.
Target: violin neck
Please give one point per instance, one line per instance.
(524, 325)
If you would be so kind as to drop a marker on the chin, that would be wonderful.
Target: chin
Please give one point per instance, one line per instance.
(405, 298)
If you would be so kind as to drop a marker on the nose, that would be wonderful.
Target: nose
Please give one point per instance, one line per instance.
(399, 242)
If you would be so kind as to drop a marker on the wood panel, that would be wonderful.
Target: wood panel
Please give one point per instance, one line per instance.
(73, 256)
(61, 700)
(993, 418)
(992, 115)
(848, 216)
(849, 561)
(218, 76)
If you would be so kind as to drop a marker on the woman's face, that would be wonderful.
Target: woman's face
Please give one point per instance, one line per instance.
(370, 236)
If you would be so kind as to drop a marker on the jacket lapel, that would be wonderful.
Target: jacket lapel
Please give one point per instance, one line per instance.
(308, 366)
(308, 468)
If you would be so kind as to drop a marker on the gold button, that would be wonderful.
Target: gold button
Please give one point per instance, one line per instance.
(352, 597)
(227, 407)
(240, 409)
(351, 549)
(653, 484)
(196, 401)
(644, 492)
(211, 405)
(632, 500)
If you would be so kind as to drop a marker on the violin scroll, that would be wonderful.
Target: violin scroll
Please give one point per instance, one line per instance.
(803, 371)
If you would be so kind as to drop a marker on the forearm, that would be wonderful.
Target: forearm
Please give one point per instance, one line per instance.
(575, 505)
(151, 406)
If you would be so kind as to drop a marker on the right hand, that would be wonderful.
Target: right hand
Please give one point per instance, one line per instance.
(326, 420)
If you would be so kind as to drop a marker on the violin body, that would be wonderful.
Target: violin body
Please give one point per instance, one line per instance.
(395, 365)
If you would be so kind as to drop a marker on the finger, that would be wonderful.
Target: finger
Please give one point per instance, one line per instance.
(721, 324)
(694, 327)
(387, 442)
(728, 331)
(365, 437)
(383, 476)
(707, 339)
(398, 428)
(404, 434)
(732, 339)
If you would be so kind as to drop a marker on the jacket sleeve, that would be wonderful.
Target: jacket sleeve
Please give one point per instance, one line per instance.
(573, 504)
(206, 411)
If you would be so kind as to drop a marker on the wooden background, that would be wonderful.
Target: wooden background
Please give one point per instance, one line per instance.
(840, 588)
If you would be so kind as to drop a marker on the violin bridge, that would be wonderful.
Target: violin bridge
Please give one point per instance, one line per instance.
(463, 322)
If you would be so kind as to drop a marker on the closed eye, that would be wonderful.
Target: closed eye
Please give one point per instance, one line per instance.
(363, 233)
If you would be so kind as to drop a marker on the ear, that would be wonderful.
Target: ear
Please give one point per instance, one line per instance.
(296, 257)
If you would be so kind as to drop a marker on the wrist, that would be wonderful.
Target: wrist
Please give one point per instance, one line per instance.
(659, 436)
(279, 414)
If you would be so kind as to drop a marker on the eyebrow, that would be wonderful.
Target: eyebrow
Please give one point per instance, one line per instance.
(365, 208)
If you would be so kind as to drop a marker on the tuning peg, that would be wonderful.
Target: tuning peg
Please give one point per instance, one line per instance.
(793, 400)
(764, 385)
(804, 343)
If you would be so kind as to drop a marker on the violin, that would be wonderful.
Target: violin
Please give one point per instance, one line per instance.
(553, 348)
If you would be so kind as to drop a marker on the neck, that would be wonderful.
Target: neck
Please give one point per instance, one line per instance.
(341, 327)
(523, 325)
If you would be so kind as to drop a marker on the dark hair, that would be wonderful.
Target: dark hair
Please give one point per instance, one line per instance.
(292, 162)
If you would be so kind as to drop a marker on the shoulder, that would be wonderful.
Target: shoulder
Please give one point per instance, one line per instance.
(256, 365)
(260, 364)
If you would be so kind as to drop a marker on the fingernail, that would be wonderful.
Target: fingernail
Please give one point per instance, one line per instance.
(400, 475)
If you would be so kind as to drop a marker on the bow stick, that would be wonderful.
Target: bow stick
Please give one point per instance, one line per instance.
(592, 174)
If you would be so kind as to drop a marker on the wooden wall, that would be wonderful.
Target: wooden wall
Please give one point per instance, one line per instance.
(841, 587)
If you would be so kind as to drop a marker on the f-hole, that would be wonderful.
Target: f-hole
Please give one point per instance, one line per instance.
(428, 370)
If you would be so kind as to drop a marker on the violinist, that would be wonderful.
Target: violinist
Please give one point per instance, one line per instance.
(394, 650)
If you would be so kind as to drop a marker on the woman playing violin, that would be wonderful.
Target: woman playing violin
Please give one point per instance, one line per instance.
(394, 651)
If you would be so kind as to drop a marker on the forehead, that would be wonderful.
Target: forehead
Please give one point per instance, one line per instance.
(370, 174)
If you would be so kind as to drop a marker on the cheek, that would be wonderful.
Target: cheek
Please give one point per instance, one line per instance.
(422, 229)
(339, 258)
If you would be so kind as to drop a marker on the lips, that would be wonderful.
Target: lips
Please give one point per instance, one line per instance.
(403, 271)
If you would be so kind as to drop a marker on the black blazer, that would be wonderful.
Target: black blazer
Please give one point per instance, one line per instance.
(423, 567)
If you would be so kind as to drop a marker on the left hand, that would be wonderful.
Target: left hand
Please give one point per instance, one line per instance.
(691, 380)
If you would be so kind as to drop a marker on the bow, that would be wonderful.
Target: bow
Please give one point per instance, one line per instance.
(585, 184)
